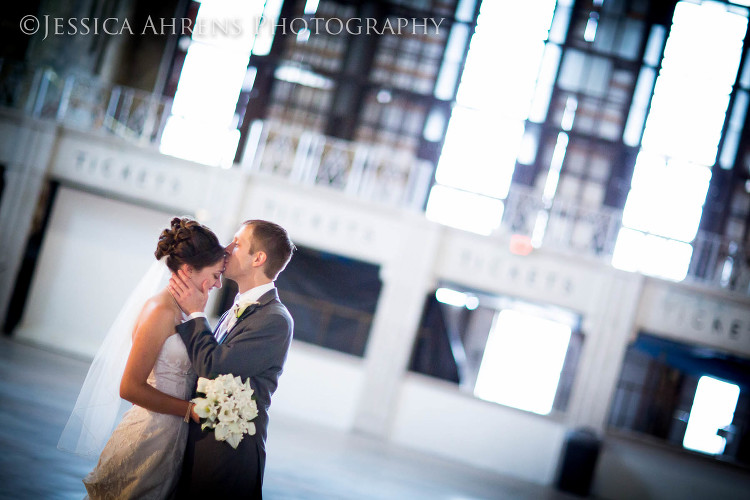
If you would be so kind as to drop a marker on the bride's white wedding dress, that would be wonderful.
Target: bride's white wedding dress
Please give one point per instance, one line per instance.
(143, 457)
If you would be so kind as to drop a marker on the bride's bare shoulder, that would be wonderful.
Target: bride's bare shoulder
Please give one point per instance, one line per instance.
(161, 303)
(159, 312)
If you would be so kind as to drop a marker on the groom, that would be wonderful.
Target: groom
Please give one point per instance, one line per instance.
(251, 340)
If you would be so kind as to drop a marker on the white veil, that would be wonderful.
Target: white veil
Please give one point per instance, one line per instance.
(99, 405)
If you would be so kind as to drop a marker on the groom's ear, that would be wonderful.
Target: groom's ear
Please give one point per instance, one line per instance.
(260, 258)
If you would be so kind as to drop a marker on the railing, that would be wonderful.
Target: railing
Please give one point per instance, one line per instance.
(720, 262)
(365, 171)
(566, 227)
(83, 102)
(561, 224)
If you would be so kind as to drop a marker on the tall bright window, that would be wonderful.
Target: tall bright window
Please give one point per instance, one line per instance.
(681, 138)
(202, 126)
(487, 124)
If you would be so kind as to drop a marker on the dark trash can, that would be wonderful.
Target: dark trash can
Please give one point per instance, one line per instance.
(578, 461)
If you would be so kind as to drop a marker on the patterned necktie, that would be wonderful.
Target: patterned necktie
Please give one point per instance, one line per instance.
(221, 329)
(224, 325)
(231, 318)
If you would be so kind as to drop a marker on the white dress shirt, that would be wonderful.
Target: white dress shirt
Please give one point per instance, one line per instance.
(249, 297)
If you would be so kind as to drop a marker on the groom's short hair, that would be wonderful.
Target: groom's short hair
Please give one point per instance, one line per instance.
(274, 241)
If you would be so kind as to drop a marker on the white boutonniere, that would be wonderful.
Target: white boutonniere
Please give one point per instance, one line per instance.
(241, 306)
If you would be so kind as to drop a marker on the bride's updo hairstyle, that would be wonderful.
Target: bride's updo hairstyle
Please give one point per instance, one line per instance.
(188, 242)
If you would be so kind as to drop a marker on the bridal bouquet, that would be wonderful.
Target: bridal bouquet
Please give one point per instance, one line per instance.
(227, 408)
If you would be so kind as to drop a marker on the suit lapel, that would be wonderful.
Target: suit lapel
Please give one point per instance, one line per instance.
(264, 300)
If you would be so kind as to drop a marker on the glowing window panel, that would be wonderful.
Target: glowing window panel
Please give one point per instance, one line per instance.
(198, 142)
(456, 298)
(468, 211)
(264, 39)
(209, 85)
(228, 24)
(480, 152)
(522, 361)
(666, 197)
(521, 28)
(713, 409)
(652, 255)
(691, 95)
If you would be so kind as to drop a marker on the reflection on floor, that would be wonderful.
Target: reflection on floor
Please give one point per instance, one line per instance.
(38, 389)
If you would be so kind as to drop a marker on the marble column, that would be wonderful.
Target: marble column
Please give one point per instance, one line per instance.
(407, 279)
(25, 151)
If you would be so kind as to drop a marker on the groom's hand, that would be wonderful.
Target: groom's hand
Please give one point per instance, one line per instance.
(190, 298)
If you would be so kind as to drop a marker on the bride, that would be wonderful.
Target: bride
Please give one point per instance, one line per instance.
(143, 456)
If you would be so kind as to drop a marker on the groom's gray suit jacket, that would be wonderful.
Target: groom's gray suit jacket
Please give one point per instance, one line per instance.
(256, 347)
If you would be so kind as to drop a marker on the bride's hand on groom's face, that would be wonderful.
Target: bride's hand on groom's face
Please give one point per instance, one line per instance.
(190, 298)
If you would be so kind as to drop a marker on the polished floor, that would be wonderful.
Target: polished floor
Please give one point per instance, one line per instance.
(306, 462)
